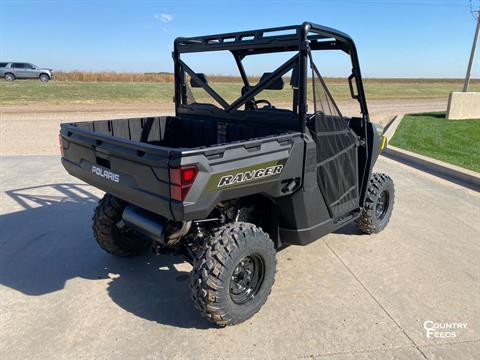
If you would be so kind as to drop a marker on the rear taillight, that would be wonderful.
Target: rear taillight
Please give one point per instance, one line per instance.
(181, 181)
(60, 144)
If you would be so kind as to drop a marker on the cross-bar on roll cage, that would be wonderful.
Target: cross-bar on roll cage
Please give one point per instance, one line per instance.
(300, 38)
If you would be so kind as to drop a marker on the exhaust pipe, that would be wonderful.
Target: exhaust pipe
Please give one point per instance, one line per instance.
(154, 226)
(145, 222)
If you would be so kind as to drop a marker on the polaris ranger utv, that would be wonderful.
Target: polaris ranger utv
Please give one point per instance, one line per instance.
(228, 182)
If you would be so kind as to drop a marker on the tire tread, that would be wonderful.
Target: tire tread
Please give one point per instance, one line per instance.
(107, 213)
(211, 263)
(366, 222)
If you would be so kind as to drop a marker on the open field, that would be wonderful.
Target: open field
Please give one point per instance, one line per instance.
(168, 77)
(78, 92)
(430, 134)
(162, 77)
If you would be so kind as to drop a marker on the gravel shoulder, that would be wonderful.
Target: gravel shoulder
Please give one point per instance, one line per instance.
(33, 129)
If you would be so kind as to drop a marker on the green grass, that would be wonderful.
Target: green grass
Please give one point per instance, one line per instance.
(452, 141)
(59, 92)
(77, 92)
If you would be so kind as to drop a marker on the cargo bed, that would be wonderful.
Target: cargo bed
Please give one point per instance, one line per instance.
(131, 158)
(177, 132)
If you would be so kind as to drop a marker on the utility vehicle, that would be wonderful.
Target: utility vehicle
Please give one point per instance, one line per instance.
(229, 180)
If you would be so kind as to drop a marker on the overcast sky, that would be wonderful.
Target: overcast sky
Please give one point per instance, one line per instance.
(395, 38)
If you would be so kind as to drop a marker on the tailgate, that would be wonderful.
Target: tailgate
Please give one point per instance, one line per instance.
(132, 171)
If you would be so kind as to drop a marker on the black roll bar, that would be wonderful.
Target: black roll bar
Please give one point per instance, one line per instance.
(300, 38)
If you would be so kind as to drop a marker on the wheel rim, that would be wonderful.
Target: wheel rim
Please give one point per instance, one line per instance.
(247, 279)
(382, 205)
(9, 77)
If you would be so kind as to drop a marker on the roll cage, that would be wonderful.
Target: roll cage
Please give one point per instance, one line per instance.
(299, 38)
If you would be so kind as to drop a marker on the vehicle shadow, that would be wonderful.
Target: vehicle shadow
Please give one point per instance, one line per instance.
(50, 242)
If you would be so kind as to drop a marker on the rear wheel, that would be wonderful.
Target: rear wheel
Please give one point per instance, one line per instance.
(378, 205)
(111, 238)
(9, 77)
(234, 273)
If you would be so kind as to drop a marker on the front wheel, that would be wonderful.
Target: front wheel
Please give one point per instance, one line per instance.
(234, 273)
(44, 78)
(378, 205)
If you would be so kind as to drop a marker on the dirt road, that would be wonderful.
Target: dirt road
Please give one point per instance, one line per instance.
(33, 129)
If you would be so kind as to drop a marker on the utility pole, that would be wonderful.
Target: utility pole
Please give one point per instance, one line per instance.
(472, 54)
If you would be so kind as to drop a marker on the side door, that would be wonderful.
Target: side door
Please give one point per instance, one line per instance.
(31, 71)
(19, 70)
(337, 151)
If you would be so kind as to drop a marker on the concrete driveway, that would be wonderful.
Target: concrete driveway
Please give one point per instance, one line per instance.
(347, 296)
